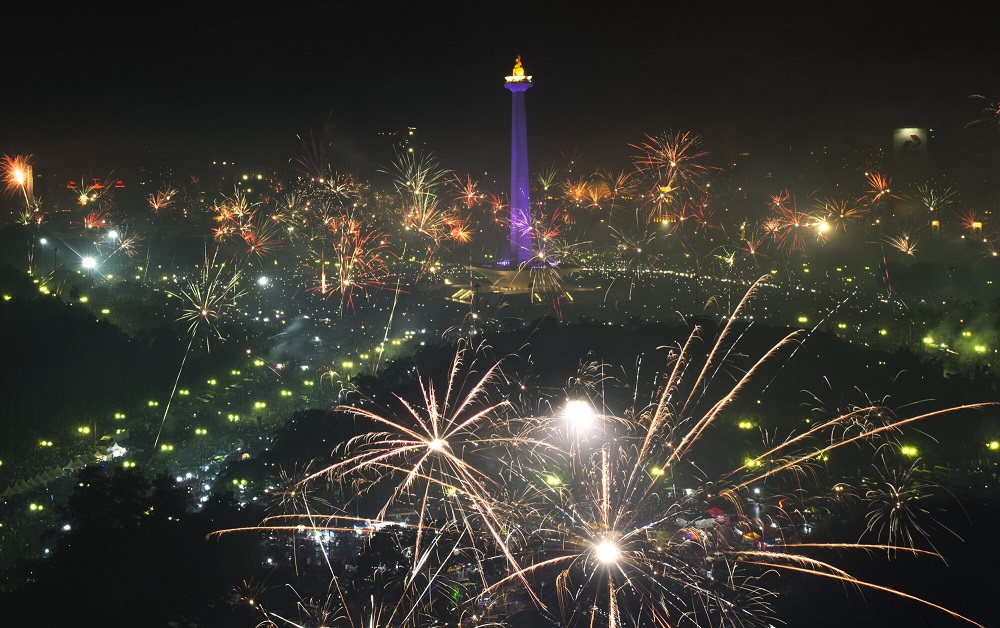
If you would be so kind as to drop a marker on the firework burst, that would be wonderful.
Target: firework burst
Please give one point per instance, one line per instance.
(990, 110)
(897, 514)
(616, 510)
(837, 214)
(17, 175)
(903, 243)
(879, 192)
(788, 226)
(208, 298)
(635, 253)
(673, 168)
(935, 199)
(468, 191)
(359, 262)
(162, 199)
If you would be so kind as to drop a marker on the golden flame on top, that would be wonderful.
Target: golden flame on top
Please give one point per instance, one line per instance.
(518, 70)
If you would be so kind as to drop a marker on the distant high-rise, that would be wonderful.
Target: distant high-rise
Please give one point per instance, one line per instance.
(520, 201)
(400, 141)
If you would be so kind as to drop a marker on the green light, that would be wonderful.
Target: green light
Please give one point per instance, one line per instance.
(553, 480)
(993, 445)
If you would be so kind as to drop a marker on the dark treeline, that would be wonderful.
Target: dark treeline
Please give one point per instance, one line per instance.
(68, 369)
(151, 568)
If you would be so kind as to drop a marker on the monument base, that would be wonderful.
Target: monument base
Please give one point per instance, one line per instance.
(526, 278)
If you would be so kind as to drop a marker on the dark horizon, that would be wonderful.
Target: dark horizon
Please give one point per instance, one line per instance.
(245, 86)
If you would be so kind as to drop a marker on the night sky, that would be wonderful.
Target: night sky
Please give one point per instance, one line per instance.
(91, 88)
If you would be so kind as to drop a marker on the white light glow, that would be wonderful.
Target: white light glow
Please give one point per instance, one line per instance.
(579, 414)
(606, 552)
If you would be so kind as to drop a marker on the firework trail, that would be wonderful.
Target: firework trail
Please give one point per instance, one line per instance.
(207, 299)
(885, 273)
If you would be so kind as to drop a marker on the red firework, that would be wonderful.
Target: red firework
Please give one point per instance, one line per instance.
(359, 262)
(787, 225)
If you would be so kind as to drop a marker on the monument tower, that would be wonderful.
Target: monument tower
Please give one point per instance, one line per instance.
(520, 201)
(520, 269)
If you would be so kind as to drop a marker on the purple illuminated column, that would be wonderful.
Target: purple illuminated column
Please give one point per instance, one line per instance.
(520, 202)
